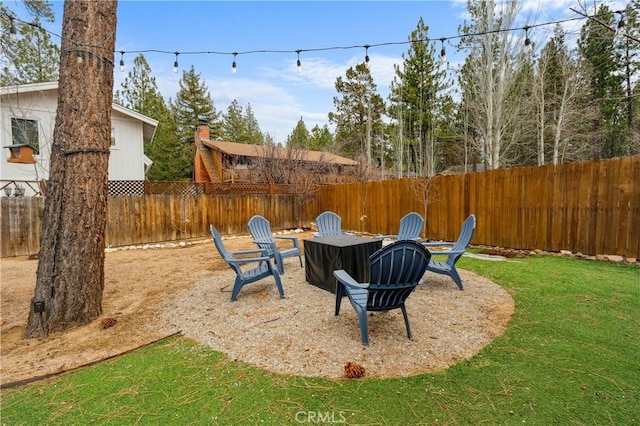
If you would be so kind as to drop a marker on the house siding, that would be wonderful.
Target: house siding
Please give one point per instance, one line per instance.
(126, 161)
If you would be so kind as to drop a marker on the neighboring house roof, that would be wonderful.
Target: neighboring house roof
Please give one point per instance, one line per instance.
(249, 150)
(149, 125)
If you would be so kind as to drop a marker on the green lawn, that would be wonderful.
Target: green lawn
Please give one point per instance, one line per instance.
(571, 356)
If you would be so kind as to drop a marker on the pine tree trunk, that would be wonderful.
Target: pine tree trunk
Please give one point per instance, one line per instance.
(70, 276)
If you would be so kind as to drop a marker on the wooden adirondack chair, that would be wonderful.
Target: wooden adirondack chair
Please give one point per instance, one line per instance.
(394, 272)
(260, 229)
(410, 227)
(458, 248)
(329, 225)
(263, 268)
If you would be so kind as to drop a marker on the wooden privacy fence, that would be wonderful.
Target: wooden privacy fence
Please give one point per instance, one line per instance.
(591, 207)
(154, 218)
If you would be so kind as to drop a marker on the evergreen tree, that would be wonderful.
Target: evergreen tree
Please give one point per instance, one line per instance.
(299, 138)
(606, 72)
(234, 126)
(32, 58)
(631, 62)
(254, 134)
(37, 9)
(417, 99)
(193, 104)
(359, 110)
(320, 139)
(140, 93)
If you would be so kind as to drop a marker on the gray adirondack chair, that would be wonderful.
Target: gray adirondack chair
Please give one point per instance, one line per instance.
(329, 225)
(260, 229)
(410, 227)
(394, 272)
(458, 247)
(262, 269)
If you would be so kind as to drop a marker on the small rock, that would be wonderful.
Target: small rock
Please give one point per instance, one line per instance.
(615, 258)
(566, 252)
(631, 260)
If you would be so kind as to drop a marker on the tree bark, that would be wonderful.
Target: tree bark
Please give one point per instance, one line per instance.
(70, 274)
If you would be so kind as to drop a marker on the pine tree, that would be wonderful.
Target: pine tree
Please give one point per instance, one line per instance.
(32, 58)
(597, 47)
(299, 137)
(70, 277)
(320, 139)
(140, 93)
(254, 134)
(359, 110)
(416, 99)
(234, 126)
(37, 9)
(193, 105)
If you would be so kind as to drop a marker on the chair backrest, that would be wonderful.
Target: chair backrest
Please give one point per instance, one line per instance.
(464, 239)
(224, 253)
(217, 240)
(394, 272)
(329, 224)
(410, 226)
(260, 229)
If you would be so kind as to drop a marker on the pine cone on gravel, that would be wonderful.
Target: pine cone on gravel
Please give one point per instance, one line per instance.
(353, 371)
(108, 322)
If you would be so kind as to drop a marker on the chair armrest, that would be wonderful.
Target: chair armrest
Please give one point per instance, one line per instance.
(346, 279)
(252, 251)
(294, 240)
(445, 252)
(386, 236)
(244, 260)
(437, 243)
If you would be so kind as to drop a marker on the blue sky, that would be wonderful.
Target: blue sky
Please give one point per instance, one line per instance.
(279, 95)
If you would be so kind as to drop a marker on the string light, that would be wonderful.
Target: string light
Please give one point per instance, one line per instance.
(528, 47)
(528, 44)
(366, 56)
(621, 30)
(175, 64)
(79, 59)
(443, 53)
(121, 67)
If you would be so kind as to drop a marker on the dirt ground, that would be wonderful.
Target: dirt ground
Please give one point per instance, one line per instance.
(138, 284)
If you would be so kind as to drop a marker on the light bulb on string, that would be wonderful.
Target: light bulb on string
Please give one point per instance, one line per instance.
(528, 47)
(298, 63)
(443, 52)
(621, 28)
(366, 56)
(121, 67)
(13, 34)
(79, 58)
(175, 64)
(234, 66)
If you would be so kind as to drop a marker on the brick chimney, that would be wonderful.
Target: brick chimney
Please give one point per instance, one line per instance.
(199, 171)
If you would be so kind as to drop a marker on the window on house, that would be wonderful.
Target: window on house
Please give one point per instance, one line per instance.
(113, 136)
(25, 131)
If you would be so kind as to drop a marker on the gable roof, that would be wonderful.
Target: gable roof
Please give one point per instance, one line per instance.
(249, 150)
(149, 125)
